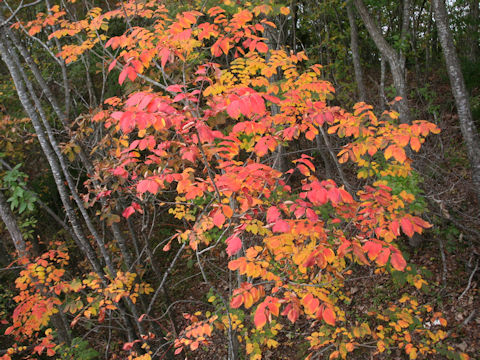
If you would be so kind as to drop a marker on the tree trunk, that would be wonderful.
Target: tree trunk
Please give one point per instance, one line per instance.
(13, 67)
(473, 31)
(274, 41)
(459, 90)
(383, 98)
(362, 93)
(11, 223)
(294, 10)
(395, 60)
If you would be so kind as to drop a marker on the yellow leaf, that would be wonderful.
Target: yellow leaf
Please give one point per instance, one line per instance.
(381, 346)
(284, 10)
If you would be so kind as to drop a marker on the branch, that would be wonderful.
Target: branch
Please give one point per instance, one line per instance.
(469, 281)
(14, 13)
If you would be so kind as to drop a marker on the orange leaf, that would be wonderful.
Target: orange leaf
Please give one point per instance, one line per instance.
(398, 262)
(328, 315)
(237, 301)
(227, 211)
(284, 10)
(382, 258)
(399, 154)
(261, 47)
(407, 227)
(248, 299)
(395, 227)
(373, 248)
(260, 318)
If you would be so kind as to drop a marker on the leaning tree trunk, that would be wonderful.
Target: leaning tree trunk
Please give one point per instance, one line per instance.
(459, 90)
(12, 227)
(395, 60)
(357, 66)
(31, 105)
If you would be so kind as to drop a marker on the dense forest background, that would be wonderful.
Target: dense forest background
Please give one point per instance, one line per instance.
(239, 179)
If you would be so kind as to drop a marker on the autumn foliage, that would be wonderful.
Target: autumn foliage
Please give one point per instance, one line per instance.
(199, 135)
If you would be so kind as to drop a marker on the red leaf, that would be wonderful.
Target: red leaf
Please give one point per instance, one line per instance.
(225, 45)
(128, 212)
(237, 301)
(112, 65)
(292, 312)
(273, 214)
(233, 109)
(407, 227)
(123, 75)
(311, 215)
(129, 345)
(175, 88)
(234, 244)
(164, 55)
(101, 315)
(395, 227)
(373, 248)
(218, 219)
(147, 185)
(397, 261)
(318, 196)
(281, 226)
(261, 148)
(311, 303)
(334, 195)
(383, 257)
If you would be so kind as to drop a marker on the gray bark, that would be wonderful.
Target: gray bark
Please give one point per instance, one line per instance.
(383, 98)
(459, 90)
(12, 227)
(473, 31)
(395, 60)
(23, 94)
(63, 117)
(59, 170)
(362, 93)
(274, 42)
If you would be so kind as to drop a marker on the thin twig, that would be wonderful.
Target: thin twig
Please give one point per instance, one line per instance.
(469, 281)
(444, 263)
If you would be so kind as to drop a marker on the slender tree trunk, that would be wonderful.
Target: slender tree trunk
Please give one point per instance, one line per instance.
(23, 94)
(395, 60)
(274, 42)
(467, 126)
(473, 31)
(63, 117)
(294, 10)
(383, 66)
(362, 93)
(12, 227)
